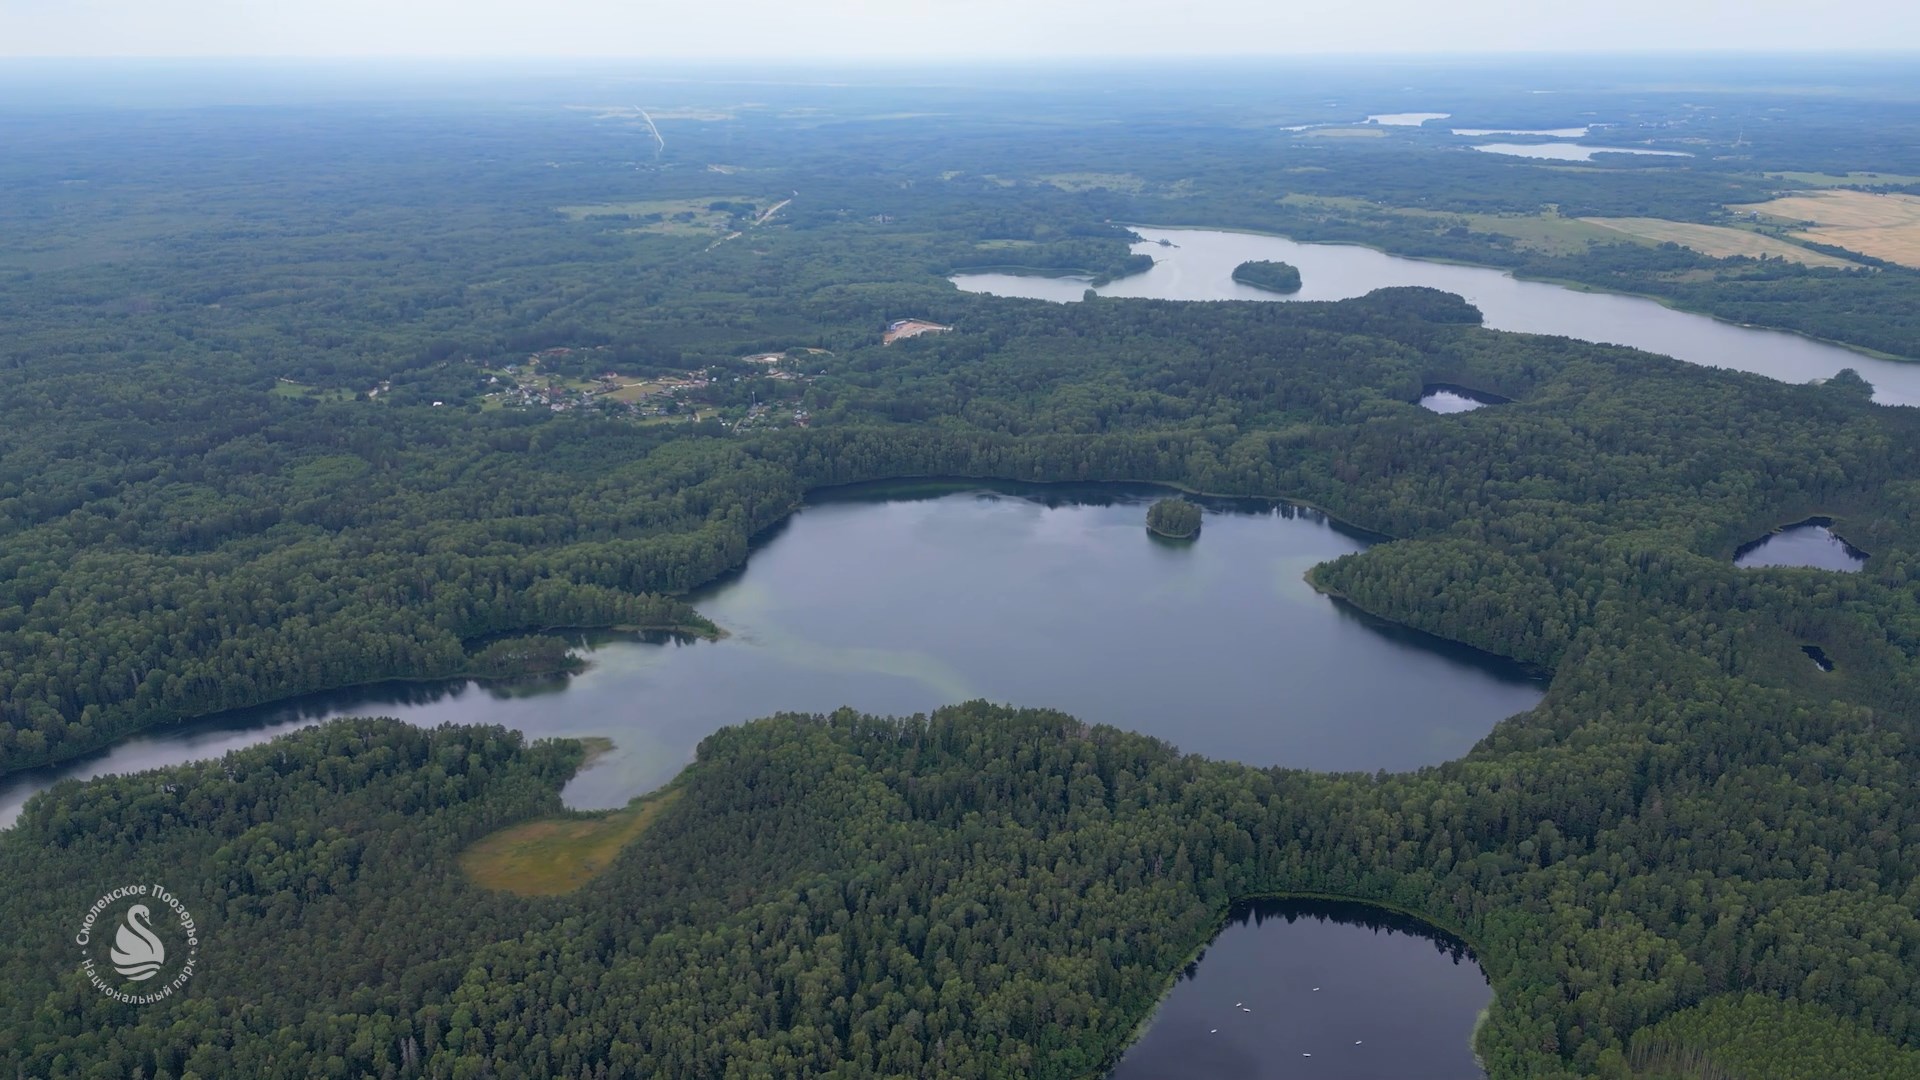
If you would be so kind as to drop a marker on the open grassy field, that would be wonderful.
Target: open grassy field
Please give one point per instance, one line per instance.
(668, 217)
(1548, 233)
(1090, 181)
(290, 389)
(553, 856)
(1883, 226)
(637, 390)
(1715, 240)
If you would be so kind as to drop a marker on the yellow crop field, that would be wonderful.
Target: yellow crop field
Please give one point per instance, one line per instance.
(1883, 226)
(1715, 240)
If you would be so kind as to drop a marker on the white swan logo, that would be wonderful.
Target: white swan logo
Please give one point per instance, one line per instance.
(154, 949)
(137, 951)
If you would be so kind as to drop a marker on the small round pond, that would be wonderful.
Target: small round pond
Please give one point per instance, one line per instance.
(1444, 398)
(1810, 543)
(1298, 988)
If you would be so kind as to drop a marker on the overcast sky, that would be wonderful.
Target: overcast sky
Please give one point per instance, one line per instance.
(953, 29)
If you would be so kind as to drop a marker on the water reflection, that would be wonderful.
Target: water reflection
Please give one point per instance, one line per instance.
(1199, 266)
(900, 598)
(1569, 151)
(1362, 992)
(1445, 398)
(1810, 543)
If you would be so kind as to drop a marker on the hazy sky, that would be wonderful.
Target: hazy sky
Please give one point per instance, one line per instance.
(831, 29)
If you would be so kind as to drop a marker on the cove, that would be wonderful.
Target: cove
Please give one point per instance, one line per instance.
(1293, 988)
(900, 598)
(1197, 264)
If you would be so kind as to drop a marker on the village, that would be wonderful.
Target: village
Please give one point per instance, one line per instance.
(541, 381)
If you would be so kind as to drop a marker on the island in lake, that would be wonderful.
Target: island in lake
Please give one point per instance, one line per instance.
(1272, 276)
(1174, 518)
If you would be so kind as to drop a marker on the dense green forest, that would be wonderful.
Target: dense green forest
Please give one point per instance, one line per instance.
(985, 892)
(258, 440)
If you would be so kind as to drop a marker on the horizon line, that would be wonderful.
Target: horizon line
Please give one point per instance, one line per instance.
(947, 60)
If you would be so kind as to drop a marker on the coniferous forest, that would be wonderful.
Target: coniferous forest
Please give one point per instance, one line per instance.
(320, 396)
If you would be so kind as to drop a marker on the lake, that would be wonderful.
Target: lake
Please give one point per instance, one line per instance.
(1331, 990)
(1442, 398)
(897, 599)
(1567, 151)
(1199, 266)
(1549, 133)
(1405, 119)
(1810, 543)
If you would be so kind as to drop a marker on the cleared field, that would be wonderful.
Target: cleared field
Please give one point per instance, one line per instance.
(1548, 233)
(290, 389)
(906, 328)
(1715, 240)
(553, 856)
(636, 391)
(1883, 226)
(669, 217)
(1126, 183)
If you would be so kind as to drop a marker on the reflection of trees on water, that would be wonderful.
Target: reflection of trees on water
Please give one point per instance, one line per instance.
(1340, 913)
(1352, 913)
(1055, 496)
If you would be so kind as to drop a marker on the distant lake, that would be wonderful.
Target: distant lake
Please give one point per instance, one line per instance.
(1568, 151)
(1810, 543)
(1329, 990)
(1549, 133)
(898, 599)
(1405, 119)
(1198, 265)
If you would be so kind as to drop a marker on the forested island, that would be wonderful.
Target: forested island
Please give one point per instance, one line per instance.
(1277, 277)
(1175, 519)
(222, 484)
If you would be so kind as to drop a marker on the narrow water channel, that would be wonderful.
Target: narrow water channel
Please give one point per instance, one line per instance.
(1197, 264)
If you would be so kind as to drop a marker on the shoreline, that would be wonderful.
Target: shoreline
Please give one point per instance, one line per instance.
(715, 634)
(755, 541)
(1139, 1030)
(1564, 283)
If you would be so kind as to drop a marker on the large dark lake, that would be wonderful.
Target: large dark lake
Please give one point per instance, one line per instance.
(897, 600)
(1198, 265)
(1311, 988)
